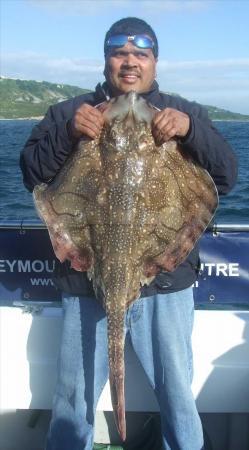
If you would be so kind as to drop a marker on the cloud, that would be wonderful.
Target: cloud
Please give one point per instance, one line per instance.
(76, 7)
(230, 63)
(198, 76)
(97, 7)
(30, 65)
(222, 83)
(174, 6)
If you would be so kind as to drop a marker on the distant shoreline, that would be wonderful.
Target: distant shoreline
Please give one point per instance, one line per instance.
(230, 120)
(23, 118)
(41, 117)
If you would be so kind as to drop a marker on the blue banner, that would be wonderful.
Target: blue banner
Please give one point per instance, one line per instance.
(27, 261)
(224, 272)
(26, 266)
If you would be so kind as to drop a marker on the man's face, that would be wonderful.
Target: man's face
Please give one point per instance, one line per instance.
(130, 68)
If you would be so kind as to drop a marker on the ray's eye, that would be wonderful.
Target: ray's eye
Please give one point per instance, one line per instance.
(113, 135)
(143, 138)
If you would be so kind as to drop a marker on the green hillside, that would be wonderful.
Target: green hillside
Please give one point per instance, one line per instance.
(26, 99)
(222, 114)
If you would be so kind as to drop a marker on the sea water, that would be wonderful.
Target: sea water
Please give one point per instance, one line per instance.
(16, 202)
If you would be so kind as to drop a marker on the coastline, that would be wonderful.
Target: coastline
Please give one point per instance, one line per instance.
(41, 117)
(230, 120)
(23, 118)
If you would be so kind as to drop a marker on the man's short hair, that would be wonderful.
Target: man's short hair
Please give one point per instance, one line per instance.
(131, 26)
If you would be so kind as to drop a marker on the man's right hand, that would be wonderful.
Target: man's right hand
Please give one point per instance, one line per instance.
(87, 121)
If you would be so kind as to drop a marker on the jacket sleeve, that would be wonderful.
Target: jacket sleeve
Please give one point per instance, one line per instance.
(47, 148)
(210, 149)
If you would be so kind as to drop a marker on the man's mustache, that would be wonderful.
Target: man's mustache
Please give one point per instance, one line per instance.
(129, 72)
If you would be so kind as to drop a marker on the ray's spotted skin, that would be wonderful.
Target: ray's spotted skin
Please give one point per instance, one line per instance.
(123, 209)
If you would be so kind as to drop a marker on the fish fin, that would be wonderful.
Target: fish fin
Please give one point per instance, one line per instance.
(68, 206)
(188, 198)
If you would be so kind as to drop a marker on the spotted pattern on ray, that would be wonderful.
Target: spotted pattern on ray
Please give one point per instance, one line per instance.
(123, 209)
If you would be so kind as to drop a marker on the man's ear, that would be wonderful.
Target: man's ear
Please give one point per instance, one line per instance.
(156, 59)
(105, 70)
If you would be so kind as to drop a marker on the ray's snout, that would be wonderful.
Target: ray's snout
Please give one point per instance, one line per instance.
(130, 105)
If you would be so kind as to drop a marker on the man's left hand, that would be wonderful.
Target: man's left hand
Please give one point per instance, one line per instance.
(169, 123)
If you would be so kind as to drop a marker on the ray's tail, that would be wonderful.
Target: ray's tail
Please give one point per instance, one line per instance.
(115, 320)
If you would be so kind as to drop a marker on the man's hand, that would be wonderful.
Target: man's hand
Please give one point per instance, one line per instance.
(169, 123)
(87, 121)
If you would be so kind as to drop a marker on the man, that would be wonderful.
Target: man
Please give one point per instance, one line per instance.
(159, 327)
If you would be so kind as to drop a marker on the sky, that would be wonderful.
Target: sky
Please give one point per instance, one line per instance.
(203, 45)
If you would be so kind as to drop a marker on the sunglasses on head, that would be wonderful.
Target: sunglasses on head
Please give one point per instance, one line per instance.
(139, 40)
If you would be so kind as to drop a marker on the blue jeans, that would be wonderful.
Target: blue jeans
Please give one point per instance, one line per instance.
(160, 330)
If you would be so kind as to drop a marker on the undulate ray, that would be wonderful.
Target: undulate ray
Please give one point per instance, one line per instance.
(123, 209)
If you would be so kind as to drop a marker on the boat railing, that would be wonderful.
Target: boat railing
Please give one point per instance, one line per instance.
(27, 262)
(36, 223)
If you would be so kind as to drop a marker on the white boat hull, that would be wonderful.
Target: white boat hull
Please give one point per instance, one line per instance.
(29, 345)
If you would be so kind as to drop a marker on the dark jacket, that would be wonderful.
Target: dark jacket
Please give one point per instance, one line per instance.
(50, 144)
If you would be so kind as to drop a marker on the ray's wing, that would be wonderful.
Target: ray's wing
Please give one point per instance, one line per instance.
(186, 199)
(68, 205)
